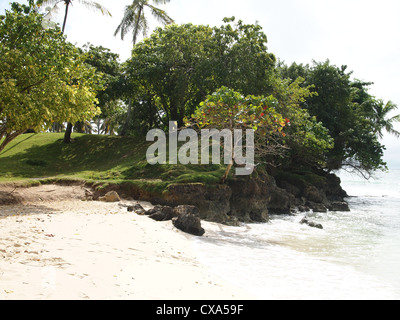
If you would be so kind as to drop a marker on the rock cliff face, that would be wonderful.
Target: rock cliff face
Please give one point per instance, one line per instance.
(245, 199)
(212, 201)
(252, 200)
(314, 192)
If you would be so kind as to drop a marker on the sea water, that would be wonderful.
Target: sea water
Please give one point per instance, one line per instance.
(355, 256)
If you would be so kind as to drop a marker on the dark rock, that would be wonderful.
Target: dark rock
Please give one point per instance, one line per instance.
(280, 201)
(250, 209)
(153, 210)
(304, 208)
(188, 219)
(189, 222)
(186, 209)
(311, 223)
(250, 198)
(317, 207)
(290, 188)
(339, 206)
(313, 194)
(161, 213)
(213, 202)
(138, 209)
(333, 188)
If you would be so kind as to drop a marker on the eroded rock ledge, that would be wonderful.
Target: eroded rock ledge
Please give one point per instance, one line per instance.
(245, 199)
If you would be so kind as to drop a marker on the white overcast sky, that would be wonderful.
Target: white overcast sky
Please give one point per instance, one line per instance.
(362, 34)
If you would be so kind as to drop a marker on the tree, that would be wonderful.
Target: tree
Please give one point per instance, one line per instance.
(181, 64)
(107, 63)
(88, 3)
(43, 78)
(171, 67)
(135, 20)
(383, 117)
(348, 111)
(230, 110)
(240, 59)
(307, 140)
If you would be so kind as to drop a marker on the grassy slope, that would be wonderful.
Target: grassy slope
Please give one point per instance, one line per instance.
(94, 158)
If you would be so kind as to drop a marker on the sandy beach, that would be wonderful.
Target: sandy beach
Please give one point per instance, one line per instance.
(55, 246)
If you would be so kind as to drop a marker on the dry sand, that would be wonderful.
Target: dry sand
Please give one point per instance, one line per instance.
(53, 245)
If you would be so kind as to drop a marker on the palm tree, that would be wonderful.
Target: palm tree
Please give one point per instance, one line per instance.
(135, 19)
(89, 4)
(382, 118)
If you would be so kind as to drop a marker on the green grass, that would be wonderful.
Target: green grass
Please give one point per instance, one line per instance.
(95, 158)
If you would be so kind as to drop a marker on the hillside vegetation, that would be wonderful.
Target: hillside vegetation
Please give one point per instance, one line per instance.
(94, 158)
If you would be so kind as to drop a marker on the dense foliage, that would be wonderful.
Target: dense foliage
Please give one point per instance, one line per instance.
(178, 66)
(43, 78)
(349, 112)
(227, 109)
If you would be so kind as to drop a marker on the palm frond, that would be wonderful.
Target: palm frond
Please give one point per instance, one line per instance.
(140, 26)
(127, 22)
(135, 19)
(95, 6)
(48, 2)
(143, 26)
(51, 12)
(160, 15)
(50, 6)
(158, 2)
(87, 3)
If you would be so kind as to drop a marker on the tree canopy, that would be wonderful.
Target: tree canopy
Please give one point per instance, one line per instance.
(180, 64)
(43, 78)
(354, 118)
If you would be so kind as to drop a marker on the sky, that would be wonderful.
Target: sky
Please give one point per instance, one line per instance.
(362, 34)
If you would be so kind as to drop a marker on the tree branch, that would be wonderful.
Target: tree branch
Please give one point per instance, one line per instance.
(34, 84)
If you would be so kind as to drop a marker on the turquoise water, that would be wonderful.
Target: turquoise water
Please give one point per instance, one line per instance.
(355, 256)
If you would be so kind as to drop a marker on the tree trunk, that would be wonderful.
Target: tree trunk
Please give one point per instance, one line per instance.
(136, 30)
(124, 131)
(66, 16)
(8, 138)
(68, 132)
(228, 169)
(67, 136)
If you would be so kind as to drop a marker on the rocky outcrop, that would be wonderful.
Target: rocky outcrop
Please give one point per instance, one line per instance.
(213, 202)
(242, 199)
(188, 220)
(339, 206)
(316, 192)
(249, 200)
(311, 224)
(245, 199)
(138, 209)
(161, 213)
(185, 218)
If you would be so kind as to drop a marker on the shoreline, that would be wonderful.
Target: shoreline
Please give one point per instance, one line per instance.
(58, 247)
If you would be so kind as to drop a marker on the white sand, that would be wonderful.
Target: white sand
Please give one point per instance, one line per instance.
(55, 248)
